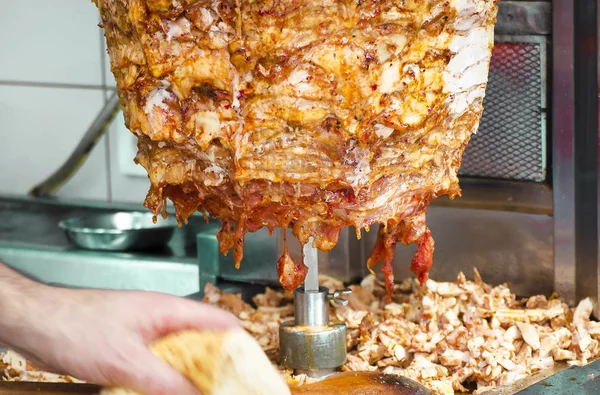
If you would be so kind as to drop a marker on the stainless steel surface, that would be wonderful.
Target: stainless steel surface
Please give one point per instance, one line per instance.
(519, 385)
(586, 149)
(120, 231)
(505, 247)
(89, 269)
(575, 380)
(259, 265)
(261, 252)
(512, 196)
(31, 242)
(311, 307)
(99, 126)
(575, 149)
(563, 176)
(597, 313)
(513, 247)
(511, 141)
(524, 17)
(316, 349)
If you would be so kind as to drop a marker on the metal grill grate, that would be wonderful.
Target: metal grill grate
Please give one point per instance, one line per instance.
(510, 143)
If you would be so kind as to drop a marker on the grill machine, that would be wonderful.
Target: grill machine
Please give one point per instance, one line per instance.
(529, 211)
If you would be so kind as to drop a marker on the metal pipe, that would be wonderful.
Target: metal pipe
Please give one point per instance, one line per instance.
(311, 307)
(586, 149)
(98, 127)
(563, 148)
(311, 260)
(598, 150)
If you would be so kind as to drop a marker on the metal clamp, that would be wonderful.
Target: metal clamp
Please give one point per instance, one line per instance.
(337, 296)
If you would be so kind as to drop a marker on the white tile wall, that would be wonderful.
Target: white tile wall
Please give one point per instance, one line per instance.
(54, 71)
(50, 41)
(39, 128)
(124, 184)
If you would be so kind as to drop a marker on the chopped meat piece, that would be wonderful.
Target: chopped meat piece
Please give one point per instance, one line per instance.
(366, 328)
(311, 115)
(582, 313)
(530, 335)
(227, 301)
(269, 298)
(234, 304)
(13, 367)
(362, 300)
(538, 301)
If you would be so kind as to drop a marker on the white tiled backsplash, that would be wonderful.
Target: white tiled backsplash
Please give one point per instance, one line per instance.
(54, 79)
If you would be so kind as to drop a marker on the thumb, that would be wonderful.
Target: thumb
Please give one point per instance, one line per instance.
(152, 376)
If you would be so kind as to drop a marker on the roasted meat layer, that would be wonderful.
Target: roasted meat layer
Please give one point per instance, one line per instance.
(307, 114)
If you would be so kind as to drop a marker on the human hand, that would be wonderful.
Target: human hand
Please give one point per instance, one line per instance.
(103, 336)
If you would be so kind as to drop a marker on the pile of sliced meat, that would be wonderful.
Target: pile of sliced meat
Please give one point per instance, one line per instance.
(312, 115)
(448, 336)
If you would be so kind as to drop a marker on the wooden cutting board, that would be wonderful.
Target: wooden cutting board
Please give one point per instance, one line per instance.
(26, 388)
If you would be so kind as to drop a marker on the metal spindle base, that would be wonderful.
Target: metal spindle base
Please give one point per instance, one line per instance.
(309, 344)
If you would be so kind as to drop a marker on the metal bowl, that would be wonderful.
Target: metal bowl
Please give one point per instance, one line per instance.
(119, 231)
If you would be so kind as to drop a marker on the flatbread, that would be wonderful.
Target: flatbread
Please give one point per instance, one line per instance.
(218, 363)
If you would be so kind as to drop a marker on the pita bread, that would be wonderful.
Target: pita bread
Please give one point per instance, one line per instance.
(218, 363)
